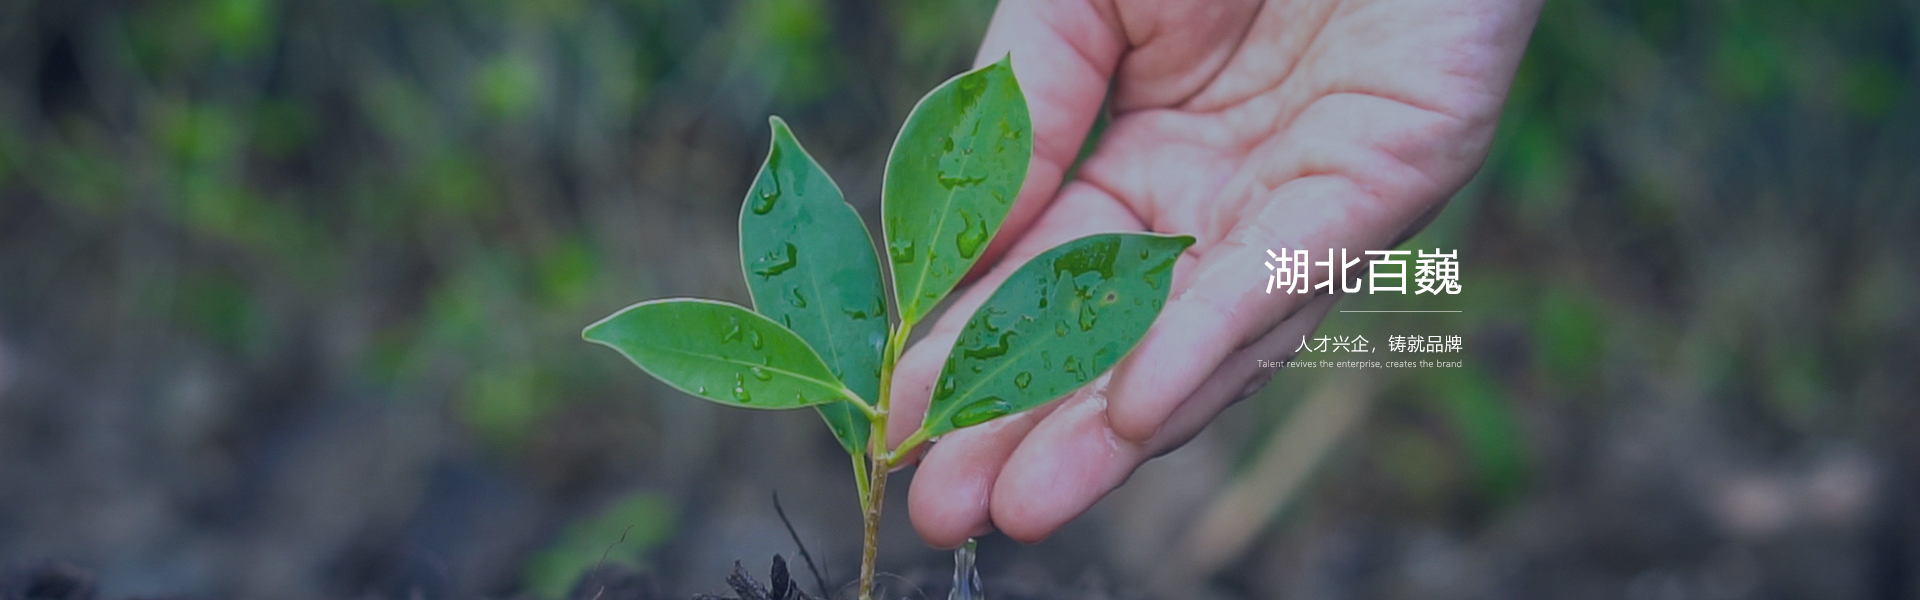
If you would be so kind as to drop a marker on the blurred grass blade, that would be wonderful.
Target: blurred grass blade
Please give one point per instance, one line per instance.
(1281, 468)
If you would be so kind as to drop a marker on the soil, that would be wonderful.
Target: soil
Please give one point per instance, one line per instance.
(58, 581)
(51, 581)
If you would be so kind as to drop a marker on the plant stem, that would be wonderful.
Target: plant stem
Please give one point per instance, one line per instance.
(870, 539)
(905, 448)
(873, 495)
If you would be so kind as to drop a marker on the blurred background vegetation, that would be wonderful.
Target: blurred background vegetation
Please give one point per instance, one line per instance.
(290, 295)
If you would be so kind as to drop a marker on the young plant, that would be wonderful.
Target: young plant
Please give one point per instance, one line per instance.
(820, 333)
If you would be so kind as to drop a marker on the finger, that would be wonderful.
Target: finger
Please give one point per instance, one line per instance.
(1178, 48)
(1081, 210)
(951, 487)
(1066, 463)
(1225, 306)
(1064, 54)
(1073, 458)
(1239, 377)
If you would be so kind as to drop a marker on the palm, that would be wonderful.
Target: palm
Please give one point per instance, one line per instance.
(1249, 126)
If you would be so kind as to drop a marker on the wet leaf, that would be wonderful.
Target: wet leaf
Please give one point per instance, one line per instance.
(953, 174)
(811, 266)
(719, 351)
(1059, 321)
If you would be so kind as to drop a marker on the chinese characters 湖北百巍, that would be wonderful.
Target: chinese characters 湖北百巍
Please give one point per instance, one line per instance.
(1435, 272)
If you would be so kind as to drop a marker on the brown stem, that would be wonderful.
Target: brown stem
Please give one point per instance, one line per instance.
(882, 461)
(870, 543)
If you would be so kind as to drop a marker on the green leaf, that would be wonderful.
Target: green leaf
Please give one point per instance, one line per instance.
(719, 351)
(1061, 320)
(953, 174)
(810, 265)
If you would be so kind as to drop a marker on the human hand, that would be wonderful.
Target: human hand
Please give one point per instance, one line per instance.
(1248, 125)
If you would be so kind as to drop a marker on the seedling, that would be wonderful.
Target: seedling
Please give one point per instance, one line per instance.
(821, 333)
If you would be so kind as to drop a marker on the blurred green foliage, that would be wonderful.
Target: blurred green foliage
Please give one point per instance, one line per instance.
(430, 172)
(415, 205)
(425, 198)
(621, 535)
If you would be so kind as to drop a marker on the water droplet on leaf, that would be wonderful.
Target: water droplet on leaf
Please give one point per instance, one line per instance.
(778, 261)
(740, 393)
(986, 318)
(901, 251)
(998, 349)
(945, 388)
(769, 185)
(971, 237)
(1096, 257)
(981, 411)
(1021, 380)
(959, 181)
(764, 201)
(1152, 276)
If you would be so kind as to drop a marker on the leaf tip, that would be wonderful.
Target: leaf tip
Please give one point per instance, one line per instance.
(593, 333)
(780, 128)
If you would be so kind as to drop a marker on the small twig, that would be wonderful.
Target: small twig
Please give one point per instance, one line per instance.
(595, 573)
(817, 579)
(745, 587)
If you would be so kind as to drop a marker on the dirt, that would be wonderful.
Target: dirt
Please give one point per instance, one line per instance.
(51, 581)
(59, 581)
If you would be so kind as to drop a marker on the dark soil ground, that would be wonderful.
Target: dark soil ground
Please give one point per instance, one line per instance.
(56, 581)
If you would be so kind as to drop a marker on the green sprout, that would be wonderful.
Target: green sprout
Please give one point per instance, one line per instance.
(821, 334)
